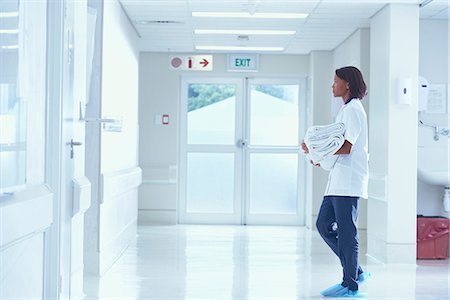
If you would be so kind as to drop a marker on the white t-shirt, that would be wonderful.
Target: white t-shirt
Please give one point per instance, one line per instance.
(349, 176)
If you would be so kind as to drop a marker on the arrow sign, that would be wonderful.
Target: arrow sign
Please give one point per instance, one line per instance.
(204, 63)
(191, 62)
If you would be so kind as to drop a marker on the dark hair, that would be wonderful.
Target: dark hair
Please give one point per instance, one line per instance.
(353, 76)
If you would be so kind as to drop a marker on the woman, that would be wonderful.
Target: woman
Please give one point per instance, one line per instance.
(347, 182)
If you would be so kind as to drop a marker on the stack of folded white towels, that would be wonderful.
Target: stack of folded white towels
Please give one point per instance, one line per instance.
(323, 142)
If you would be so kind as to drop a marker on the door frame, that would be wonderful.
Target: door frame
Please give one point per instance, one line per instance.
(53, 165)
(240, 158)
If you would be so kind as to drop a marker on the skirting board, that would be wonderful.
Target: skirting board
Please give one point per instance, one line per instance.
(98, 263)
(116, 248)
(152, 217)
(76, 284)
(389, 252)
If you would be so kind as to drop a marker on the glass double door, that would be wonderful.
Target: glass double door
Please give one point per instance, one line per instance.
(239, 151)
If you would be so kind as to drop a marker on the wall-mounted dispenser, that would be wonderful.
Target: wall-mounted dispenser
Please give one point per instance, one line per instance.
(423, 94)
(404, 91)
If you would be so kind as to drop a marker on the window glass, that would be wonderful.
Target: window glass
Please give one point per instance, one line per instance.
(211, 114)
(22, 92)
(274, 115)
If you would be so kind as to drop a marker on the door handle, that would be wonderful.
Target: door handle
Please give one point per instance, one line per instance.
(241, 143)
(73, 143)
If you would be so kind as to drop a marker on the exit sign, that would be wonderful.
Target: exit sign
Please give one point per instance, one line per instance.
(243, 62)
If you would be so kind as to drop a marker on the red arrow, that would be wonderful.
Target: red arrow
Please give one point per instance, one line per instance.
(204, 62)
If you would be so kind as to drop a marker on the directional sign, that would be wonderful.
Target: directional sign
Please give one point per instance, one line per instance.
(191, 62)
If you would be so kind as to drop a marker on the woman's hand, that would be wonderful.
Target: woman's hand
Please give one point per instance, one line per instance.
(316, 165)
(306, 151)
(305, 148)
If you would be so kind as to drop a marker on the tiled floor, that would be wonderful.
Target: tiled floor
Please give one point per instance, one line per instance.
(253, 262)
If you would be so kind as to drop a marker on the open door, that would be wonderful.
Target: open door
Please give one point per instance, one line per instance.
(75, 187)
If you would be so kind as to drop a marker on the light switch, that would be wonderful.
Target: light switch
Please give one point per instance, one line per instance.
(165, 119)
(404, 91)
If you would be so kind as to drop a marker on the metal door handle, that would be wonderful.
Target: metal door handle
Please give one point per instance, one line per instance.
(72, 143)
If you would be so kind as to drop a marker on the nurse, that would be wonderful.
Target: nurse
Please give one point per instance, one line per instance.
(347, 182)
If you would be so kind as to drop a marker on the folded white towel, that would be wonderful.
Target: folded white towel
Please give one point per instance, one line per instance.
(323, 142)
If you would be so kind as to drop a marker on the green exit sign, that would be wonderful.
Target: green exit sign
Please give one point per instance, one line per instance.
(242, 62)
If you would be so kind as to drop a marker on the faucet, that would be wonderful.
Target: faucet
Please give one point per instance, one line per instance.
(437, 131)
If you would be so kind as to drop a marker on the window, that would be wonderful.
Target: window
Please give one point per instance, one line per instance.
(22, 93)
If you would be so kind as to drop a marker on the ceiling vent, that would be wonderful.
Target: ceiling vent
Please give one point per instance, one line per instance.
(243, 38)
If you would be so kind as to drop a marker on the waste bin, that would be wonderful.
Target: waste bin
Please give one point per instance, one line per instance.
(432, 237)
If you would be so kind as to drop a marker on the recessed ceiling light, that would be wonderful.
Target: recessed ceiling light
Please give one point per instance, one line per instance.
(249, 15)
(244, 32)
(238, 48)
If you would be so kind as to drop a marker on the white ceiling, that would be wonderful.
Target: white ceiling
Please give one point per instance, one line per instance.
(328, 24)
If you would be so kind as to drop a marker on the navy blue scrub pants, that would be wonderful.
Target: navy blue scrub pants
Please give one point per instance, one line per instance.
(343, 240)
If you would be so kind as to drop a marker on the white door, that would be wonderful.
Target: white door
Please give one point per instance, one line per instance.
(239, 154)
(75, 188)
(273, 185)
(210, 172)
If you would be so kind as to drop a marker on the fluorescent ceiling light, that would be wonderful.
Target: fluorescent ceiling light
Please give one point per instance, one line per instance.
(9, 31)
(244, 32)
(238, 48)
(249, 15)
(10, 14)
(10, 47)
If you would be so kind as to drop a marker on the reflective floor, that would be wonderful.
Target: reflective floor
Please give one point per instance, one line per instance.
(253, 262)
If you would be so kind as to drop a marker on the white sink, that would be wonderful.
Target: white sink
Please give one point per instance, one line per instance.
(435, 177)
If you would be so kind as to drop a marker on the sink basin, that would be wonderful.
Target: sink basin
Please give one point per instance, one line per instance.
(435, 177)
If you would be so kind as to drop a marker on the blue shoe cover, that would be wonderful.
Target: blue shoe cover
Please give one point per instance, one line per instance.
(363, 277)
(351, 294)
(332, 290)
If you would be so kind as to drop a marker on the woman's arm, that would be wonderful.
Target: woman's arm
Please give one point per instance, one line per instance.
(346, 148)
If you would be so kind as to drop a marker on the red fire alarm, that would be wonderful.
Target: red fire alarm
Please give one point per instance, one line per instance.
(165, 119)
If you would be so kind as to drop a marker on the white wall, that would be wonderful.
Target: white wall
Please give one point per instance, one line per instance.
(117, 177)
(433, 65)
(355, 51)
(321, 79)
(159, 94)
(119, 89)
(391, 221)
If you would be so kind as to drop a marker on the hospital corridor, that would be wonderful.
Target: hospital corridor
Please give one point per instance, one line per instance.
(229, 150)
